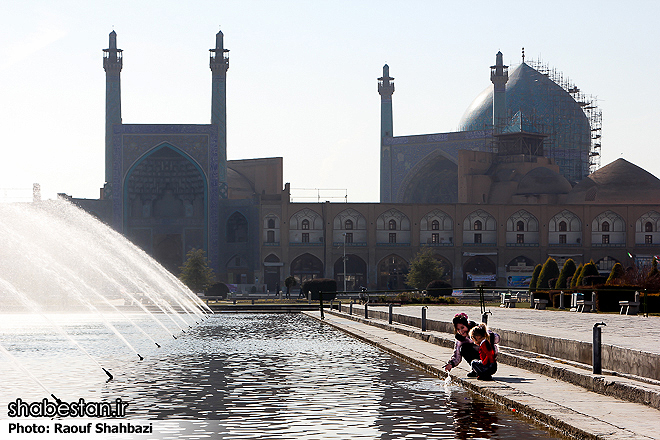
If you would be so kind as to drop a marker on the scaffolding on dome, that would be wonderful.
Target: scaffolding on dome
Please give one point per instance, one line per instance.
(588, 103)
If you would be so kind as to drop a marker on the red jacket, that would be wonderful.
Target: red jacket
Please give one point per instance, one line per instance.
(486, 352)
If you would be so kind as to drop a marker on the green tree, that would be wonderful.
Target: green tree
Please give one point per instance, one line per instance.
(566, 272)
(423, 269)
(289, 282)
(616, 275)
(195, 272)
(576, 275)
(549, 271)
(535, 277)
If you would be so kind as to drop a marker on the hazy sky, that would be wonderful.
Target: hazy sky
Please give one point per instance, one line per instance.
(302, 77)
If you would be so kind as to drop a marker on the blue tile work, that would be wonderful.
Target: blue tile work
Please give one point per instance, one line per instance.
(550, 108)
(132, 141)
(409, 152)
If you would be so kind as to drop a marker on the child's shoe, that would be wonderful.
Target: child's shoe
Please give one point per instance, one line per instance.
(472, 374)
(485, 377)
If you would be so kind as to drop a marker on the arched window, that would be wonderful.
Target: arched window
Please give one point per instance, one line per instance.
(648, 227)
(392, 225)
(237, 228)
(562, 226)
(304, 224)
(605, 227)
(477, 225)
(520, 225)
(271, 223)
(348, 224)
(435, 225)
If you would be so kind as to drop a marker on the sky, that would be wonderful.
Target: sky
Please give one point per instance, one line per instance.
(302, 78)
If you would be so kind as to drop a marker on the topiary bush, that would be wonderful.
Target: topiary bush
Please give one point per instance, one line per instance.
(326, 285)
(549, 271)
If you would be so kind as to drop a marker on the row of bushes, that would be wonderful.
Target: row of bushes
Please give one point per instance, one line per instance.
(607, 298)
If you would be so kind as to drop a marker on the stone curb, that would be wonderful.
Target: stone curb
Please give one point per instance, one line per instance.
(498, 394)
(572, 374)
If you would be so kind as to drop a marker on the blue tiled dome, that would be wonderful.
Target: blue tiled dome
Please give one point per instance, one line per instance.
(550, 108)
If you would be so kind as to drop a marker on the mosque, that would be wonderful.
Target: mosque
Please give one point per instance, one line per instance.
(519, 182)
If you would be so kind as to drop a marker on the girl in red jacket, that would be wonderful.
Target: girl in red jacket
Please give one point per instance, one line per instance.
(484, 367)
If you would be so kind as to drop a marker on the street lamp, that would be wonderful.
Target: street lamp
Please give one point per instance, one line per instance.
(344, 234)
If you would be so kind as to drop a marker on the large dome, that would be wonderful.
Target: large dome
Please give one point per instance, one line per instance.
(550, 108)
(619, 182)
(543, 180)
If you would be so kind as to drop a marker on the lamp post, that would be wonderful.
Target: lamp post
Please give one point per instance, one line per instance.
(344, 234)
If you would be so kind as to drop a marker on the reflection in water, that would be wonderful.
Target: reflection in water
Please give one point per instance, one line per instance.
(267, 376)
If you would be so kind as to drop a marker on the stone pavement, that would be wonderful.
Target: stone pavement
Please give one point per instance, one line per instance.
(633, 332)
(567, 408)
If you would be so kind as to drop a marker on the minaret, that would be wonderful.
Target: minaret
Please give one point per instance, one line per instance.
(499, 75)
(219, 66)
(112, 63)
(385, 89)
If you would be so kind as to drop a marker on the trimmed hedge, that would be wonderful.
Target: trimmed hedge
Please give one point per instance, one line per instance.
(439, 288)
(608, 297)
(326, 285)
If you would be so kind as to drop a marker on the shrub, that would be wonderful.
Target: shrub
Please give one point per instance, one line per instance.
(594, 280)
(576, 276)
(588, 269)
(326, 285)
(439, 288)
(616, 275)
(566, 272)
(549, 271)
(535, 277)
(218, 289)
(608, 297)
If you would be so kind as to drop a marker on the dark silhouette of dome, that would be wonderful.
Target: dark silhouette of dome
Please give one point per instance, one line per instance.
(549, 108)
(543, 181)
(619, 182)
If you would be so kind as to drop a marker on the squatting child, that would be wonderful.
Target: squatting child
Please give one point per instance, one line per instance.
(484, 367)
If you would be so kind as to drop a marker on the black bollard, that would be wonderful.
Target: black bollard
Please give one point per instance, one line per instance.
(366, 311)
(424, 318)
(389, 318)
(350, 308)
(596, 349)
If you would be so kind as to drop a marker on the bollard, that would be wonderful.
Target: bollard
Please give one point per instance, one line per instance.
(234, 301)
(531, 300)
(252, 302)
(366, 311)
(424, 318)
(561, 300)
(389, 316)
(350, 308)
(339, 306)
(596, 349)
(484, 317)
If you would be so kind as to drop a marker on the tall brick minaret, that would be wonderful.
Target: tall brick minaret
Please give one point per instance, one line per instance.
(385, 89)
(219, 67)
(112, 63)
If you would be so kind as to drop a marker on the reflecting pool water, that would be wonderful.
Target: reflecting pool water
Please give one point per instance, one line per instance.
(272, 376)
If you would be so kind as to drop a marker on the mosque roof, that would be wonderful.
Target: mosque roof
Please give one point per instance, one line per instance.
(619, 182)
(543, 180)
(551, 109)
(520, 124)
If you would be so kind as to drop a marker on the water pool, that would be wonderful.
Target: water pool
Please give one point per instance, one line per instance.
(272, 376)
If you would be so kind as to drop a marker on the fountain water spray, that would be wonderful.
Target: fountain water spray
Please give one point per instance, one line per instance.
(56, 257)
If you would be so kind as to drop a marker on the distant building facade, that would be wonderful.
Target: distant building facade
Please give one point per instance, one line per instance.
(491, 202)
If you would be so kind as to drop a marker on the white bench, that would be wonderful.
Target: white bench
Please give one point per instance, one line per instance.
(539, 304)
(510, 303)
(630, 307)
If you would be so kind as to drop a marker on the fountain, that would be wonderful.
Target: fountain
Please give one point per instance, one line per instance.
(80, 304)
(56, 258)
